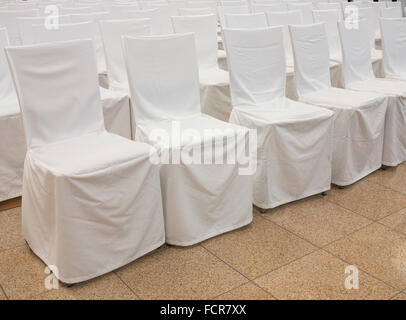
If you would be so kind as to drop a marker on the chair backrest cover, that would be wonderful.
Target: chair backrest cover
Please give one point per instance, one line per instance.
(195, 11)
(152, 14)
(246, 21)
(394, 46)
(112, 32)
(331, 6)
(222, 11)
(356, 51)
(284, 19)
(275, 7)
(391, 12)
(330, 19)
(6, 83)
(256, 60)
(205, 30)
(8, 19)
(164, 84)
(57, 88)
(312, 61)
(305, 8)
(76, 10)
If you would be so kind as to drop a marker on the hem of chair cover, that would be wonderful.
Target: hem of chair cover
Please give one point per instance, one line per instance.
(393, 164)
(99, 272)
(210, 235)
(12, 196)
(279, 203)
(357, 178)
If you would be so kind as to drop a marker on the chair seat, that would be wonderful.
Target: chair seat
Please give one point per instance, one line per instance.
(214, 76)
(88, 153)
(336, 97)
(9, 107)
(385, 86)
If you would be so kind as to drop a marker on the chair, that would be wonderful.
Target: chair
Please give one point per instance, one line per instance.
(198, 195)
(258, 8)
(214, 82)
(112, 31)
(12, 141)
(8, 19)
(294, 139)
(151, 14)
(305, 8)
(162, 23)
(76, 10)
(246, 21)
(27, 36)
(222, 11)
(359, 117)
(116, 105)
(91, 199)
(121, 11)
(391, 12)
(331, 6)
(358, 75)
(195, 11)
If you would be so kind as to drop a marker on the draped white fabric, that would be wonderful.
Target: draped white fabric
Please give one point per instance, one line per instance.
(359, 117)
(91, 199)
(358, 75)
(214, 82)
(198, 199)
(294, 139)
(246, 21)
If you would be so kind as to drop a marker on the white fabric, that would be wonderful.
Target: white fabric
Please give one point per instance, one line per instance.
(331, 6)
(8, 19)
(195, 11)
(306, 10)
(165, 87)
(162, 24)
(152, 14)
(246, 21)
(284, 19)
(222, 11)
(91, 199)
(330, 19)
(358, 75)
(270, 7)
(76, 10)
(294, 139)
(12, 141)
(121, 11)
(214, 82)
(359, 117)
(392, 12)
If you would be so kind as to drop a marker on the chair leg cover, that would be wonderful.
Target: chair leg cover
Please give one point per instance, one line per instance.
(12, 153)
(215, 100)
(394, 149)
(117, 112)
(293, 160)
(89, 224)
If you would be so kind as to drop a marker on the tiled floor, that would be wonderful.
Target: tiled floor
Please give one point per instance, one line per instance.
(297, 251)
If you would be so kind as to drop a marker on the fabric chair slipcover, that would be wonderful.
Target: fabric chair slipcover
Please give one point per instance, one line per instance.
(91, 199)
(331, 6)
(305, 8)
(246, 21)
(270, 7)
(214, 82)
(199, 200)
(222, 11)
(152, 14)
(195, 11)
(12, 141)
(359, 117)
(294, 139)
(358, 75)
(392, 12)
(8, 19)
(116, 105)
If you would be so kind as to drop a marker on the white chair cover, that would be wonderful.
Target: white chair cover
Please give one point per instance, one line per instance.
(198, 199)
(330, 19)
(195, 11)
(246, 21)
(331, 6)
(120, 11)
(289, 167)
(76, 10)
(116, 105)
(222, 11)
(391, 12)
(359, 117)
(163, 24)
(305, 8)
(152, 14)
(12, 141)
(270, 7)
(8, 19)
(91, 199)
(358, 76)
(214, 82)
(112, 31)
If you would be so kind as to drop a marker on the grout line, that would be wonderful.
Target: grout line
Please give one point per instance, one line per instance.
(391, 298)
(263, 289)
(4, 292)
(127, 285)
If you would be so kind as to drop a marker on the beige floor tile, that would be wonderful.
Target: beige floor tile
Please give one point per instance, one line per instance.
(316, 220)
(107, 287)
(21, 273)
(396, 221)
(9, 204)
(180, 273)
(10, 229)
(392, 177)
(321, 276)
(248, 291)
(400, 296)
(378, 250)
(258, 248)
(368, 199)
